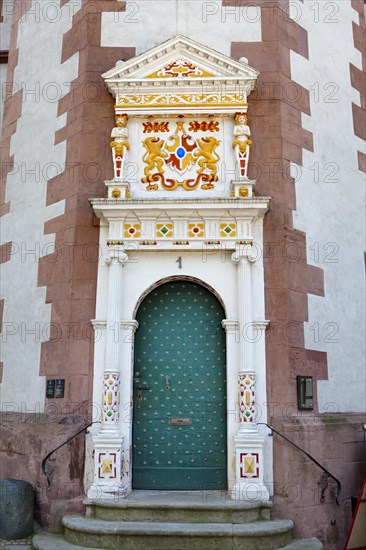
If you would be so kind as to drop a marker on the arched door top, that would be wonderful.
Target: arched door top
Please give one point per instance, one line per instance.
(160, 282)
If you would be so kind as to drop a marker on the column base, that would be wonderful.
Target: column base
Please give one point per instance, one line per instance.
(242, 187)
(117, 188)
(107, 467)
(117, 492)
(249, 492)
(249, 484)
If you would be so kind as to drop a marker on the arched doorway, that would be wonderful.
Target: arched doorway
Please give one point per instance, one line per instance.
(179, 396)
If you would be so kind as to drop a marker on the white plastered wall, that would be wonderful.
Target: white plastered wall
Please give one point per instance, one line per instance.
(330, 201)
(36, 159)
(145, 24)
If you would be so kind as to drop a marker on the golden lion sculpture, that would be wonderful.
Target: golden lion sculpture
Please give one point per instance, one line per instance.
(153, 157)
(207, 147)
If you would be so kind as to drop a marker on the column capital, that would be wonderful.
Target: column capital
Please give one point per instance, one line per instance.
(98, 325)
(130, 324)
(116, 255)
(243, 255)
(261, 325)
(229, 326)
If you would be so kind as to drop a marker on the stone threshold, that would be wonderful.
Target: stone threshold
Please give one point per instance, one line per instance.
(178, 499)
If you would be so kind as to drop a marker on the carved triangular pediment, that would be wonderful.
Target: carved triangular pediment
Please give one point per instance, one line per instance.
(180, 47)
(185, 66)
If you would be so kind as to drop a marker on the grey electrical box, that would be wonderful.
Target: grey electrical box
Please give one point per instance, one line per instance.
(305, 393)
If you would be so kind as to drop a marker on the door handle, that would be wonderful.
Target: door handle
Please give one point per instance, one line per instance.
(140, 389)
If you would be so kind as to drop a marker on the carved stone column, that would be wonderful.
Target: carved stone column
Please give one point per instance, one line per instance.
(232, 342)
(108, 442)
(248, 442)
(128, 329)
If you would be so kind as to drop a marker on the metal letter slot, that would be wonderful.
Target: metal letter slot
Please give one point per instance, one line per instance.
(180, 421)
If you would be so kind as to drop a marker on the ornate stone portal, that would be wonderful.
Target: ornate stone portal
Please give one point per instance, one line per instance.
(181, 204)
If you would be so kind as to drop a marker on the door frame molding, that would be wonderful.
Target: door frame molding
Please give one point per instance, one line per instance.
(140, 269)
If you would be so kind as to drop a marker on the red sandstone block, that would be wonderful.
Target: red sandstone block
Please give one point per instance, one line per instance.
(75, 39)
(354, 451)
(4, 208)
(7, 134)
(5, 252)
(291, 114)
(277, 304)
(264, 56)
(359, 121)
(359, 37)
(71, 129)
(53, 357)
(79, 390)
(59, 291)
(292, 152)
(297, 135)
(294, 37)
(111, 5)
(55, 268)
(289, 193)
(358, 80)
(12, 108)
(81, 348)
(358, 5)
(103, 59)
(361, 161)
(59, 224)
(297, 305)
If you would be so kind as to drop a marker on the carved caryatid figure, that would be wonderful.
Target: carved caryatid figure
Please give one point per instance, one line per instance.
(119, 145)
(242, 144)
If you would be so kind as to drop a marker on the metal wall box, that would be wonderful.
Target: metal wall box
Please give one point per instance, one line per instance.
(60, 387)
(50, 389)
(305, 393)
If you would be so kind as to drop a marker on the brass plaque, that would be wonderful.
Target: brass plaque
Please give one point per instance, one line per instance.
(180, 421)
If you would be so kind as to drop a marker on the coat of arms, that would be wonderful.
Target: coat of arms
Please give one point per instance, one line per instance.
(192, 160)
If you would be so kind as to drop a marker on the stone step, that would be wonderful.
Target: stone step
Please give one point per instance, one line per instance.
(96, 533)
(304, 544)
(182, 507)
(45, 541)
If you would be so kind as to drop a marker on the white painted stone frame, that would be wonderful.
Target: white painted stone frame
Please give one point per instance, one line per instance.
(141, 272)
(145, 262)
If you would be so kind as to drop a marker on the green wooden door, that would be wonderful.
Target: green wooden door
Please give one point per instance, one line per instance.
(179, 414)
